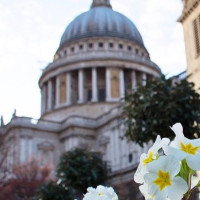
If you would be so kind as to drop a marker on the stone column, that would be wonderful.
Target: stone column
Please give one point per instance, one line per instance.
(49, 105)
(68, 88)
(43, 92)
(57, 91)
(144, 79)
(94, 85)
(134, 80)
(80, 86)
(122, 85)
(108, 88)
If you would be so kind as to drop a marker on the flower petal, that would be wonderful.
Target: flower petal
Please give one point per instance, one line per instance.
(138, 177)
(194, 181)
(156, 165)
(180, 155)
(156, 145)
(165, 163)
(178, 189)
(149, 178)
(193, 161)
(178, 130)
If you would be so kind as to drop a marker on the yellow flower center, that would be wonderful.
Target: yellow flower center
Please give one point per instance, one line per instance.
(149, 158)
(163, 180)
(152, 196)
(99, 193)
(189, 148)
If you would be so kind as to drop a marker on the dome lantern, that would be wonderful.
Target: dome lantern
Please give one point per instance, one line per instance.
(97, 3)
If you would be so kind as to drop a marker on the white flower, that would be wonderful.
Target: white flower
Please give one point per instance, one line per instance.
(100, 193)
(144, 190)
(194, 181)
(162, 181)
(149, 157)
(184, 148)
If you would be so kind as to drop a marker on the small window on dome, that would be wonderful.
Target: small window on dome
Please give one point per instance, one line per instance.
(80, 46)
(129, 48)
(130, 158)
(72, 49)
(136, 51)
(100, 44)
(111, 45)
(120, 46)
(65, 52)
(90, 45)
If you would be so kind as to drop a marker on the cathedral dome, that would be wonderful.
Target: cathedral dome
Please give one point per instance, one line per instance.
(100, 56)
(101, 21)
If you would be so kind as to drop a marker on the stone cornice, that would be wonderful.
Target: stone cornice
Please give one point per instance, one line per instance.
(58, 127)
(188, 10)
(96, 57)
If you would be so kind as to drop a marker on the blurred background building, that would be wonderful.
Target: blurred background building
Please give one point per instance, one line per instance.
(190, 20)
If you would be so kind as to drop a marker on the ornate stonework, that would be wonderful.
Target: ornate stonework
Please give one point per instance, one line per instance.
(188, 7)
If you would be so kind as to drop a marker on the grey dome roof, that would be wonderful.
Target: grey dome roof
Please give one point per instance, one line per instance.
(101, 21)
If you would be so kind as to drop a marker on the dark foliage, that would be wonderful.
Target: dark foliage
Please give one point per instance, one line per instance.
(53, 191)
(81, 169)
(153, 108)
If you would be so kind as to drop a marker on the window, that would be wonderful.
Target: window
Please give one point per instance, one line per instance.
(80, 46)
(65, 52)
(120, 46)
(90, 45)
(111, 45)
(72, 49)
(89, 95)
(62, 88)
(196, 27)
(101, 95)
(130, 157)
(136, 51)
(100, 44)
(129, 48)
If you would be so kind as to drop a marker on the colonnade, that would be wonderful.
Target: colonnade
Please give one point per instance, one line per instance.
(51, 90)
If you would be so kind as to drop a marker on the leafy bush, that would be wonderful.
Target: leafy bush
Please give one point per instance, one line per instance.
(153, 108)
(81, 169)
(76, 171)
(53, 191)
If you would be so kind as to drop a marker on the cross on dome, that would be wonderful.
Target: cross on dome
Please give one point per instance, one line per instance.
(97, 3)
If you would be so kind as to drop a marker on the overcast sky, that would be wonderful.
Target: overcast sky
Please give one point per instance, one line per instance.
(30, 32)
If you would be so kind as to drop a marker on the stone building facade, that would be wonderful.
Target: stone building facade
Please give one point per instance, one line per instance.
(190, 20)
(100, 57)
